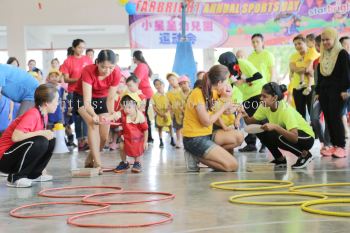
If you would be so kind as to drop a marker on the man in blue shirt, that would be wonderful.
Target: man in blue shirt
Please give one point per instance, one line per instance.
(17, 85)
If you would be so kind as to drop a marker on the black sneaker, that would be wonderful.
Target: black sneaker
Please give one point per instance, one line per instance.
(303, 161)
(150, 140)
(161, 145)
(136, 167)
(248, 148)
(172, 142)
(262, 149)
(122, 167)
(279, 163)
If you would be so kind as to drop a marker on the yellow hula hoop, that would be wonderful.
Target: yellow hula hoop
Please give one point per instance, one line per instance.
(233, 199)
(221, 185)
(296, 189)
(305, 207)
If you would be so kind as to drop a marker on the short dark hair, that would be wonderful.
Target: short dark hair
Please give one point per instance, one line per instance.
(77, 42)
(89, 50)
(258, 35)
(318, 40)
(299, 37)
(341, 40)
(311, 37)
(11, 60)
(106, 55)
(132, 78)
(45, 93)
(157, 80)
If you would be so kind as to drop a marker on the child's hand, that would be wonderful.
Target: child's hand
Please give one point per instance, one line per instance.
(237, 124)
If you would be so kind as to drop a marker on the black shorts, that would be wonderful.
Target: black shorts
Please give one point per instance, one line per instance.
(98, 104)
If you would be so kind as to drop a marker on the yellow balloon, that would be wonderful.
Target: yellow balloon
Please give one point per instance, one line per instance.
(123, 2)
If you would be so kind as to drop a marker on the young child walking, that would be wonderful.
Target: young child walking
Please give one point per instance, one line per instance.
(161, 107)
(134, 135)
(175, 98)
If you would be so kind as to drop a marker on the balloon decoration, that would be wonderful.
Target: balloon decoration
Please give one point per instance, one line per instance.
(123, 2)
(130, 8)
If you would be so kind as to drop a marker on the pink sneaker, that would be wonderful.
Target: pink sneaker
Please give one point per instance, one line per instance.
(328, 152)
(339, 153)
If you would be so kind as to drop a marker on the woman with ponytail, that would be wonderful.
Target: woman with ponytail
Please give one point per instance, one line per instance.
(143, 72)
(286, 129)
(26, 145)
(331, 88)
(202, 145)
(94, 99)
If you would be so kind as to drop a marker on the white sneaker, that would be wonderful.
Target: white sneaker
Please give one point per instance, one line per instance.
(20, 183)
(43, 178)
(3, 174)
(191, 162)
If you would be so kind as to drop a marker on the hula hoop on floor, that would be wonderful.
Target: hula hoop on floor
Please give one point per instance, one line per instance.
(233, 199)
(168, 218)
(14, 214)
(167, 196)
(44, 192)
(221, 185)
(297, 188)
(305, 207)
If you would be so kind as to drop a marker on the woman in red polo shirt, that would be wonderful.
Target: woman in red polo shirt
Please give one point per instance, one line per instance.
(71, 70)
(143, 72)
(94, 99)
(26, 146)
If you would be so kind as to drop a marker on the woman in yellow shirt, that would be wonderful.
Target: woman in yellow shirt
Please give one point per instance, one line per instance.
(286, 129)
(198, 126)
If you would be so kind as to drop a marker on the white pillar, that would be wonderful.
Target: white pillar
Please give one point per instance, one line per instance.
(48, 55)
(208, 58)
(16, 43)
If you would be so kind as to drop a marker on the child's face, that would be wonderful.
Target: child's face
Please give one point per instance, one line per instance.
(184, 86)
(225, 90)
(55, 64)
(159, 86)
(129, 107)
(132, 86)
(310, 43)
(53, 78)
(173, 81)
(346, 45)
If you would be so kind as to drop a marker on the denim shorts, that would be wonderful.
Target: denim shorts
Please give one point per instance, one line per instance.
(199, 146)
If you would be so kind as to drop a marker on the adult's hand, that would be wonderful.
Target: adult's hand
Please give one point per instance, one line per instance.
(48, 134)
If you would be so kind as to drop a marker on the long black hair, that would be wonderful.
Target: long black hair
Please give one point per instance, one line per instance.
(139, 57)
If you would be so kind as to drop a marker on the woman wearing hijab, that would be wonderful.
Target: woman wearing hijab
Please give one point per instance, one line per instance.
(333, 81)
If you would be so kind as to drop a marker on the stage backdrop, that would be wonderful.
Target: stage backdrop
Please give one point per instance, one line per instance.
(157, 24)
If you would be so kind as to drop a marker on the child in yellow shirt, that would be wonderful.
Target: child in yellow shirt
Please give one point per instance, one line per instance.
(310, 56)
(175, 99)
(161, 107)
(228, 120)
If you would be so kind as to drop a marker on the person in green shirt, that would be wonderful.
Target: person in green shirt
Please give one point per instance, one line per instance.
(261, 58)
(249, 81)
(286, 129)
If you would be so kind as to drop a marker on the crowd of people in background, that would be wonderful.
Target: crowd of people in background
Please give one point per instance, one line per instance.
(111, 108)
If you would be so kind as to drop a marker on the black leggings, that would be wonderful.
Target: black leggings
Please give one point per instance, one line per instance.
(272, 140)
(148, 121)
(27, 158)
(302, 102)
(332, 106)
